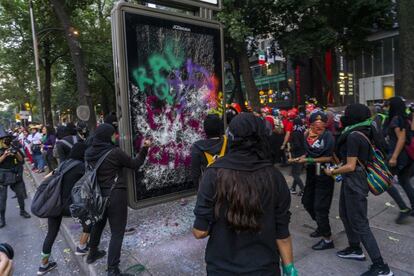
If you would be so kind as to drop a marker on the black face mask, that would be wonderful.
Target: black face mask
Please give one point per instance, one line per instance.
(345, 121)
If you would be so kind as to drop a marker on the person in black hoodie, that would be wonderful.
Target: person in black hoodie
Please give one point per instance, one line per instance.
(243, 206)
(213, 145)
(110, 174)
(297, 150)
(68, 181)
(353, 149)
(319, 188)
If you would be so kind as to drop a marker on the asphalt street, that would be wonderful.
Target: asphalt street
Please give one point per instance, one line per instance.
(27, 235)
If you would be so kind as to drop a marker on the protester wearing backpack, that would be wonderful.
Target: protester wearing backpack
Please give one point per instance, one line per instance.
(400, 163)
(74, 134)
(73, 169)
(354, 150)
(203, 151)
(113, 185)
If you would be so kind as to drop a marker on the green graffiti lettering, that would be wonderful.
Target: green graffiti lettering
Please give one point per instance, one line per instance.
(140, 76)
(175, 60)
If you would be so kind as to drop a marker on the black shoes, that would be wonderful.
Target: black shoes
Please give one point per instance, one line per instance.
(378, 270)
(24, 214)
(95, 255)
(323, 245)
(403, 216)
(315, 234)
(114, 271)
(43, 270)
(352, 254)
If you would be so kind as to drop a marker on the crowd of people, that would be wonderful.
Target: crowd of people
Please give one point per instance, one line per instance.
(243, 199)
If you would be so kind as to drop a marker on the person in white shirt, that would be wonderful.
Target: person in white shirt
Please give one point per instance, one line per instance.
(35, 139)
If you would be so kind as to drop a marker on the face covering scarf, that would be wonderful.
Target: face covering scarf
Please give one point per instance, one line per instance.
(316, 130)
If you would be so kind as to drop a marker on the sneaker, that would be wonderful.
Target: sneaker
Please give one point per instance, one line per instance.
(293, 191)
(43, 270)
(315, 234)
(323, 245)
(81, 252)
(378, 270)
(25, 214)
(403, 216)
(351, 253)
(130, 231)
(95, 255)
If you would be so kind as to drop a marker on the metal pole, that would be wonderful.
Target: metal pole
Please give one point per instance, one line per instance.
(36, 56)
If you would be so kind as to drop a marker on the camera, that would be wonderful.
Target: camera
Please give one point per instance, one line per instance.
(7, 249)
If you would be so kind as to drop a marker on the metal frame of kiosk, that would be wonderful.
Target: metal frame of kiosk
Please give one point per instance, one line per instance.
(122, 77)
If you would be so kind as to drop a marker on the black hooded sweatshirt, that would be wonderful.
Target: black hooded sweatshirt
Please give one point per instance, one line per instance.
(113, 164)
(199, 162)
(243, 253)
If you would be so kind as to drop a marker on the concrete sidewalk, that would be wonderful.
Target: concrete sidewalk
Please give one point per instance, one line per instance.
(163, 243)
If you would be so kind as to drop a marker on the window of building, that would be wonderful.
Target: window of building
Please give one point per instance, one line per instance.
(377, 49)
(388, 54)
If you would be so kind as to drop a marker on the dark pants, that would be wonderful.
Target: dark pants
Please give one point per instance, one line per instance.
(20, 191)
(53, 226)
(116, 213)
(354, 213)
(296, 172)
(317, 199)
(50, 161)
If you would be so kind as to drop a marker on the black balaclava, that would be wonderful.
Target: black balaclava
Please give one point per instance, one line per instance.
(355, 113)
(70, 129)
(78, 151)
(249, 149)
(397, 107)
(101, 143)
(213, 126)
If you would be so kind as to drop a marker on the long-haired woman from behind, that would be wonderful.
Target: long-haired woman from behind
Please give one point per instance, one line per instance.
(243, 206)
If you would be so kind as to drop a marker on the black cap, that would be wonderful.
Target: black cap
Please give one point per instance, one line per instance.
(318, 116)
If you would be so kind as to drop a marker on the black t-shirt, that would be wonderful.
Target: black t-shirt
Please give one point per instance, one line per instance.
(357, 146)
(232, 253)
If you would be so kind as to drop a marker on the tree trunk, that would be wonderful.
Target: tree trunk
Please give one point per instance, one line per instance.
(238, 91)
(47, 91)
(77, 59)
(248, 79)
(405, 82)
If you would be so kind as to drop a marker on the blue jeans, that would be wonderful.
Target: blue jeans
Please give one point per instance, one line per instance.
(39, 161)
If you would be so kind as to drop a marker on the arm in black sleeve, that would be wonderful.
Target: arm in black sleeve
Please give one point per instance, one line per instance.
(195, 165)
(204, 209)
(282, 206)
(132, 163)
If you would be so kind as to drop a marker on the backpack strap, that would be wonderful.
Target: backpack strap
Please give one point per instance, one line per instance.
(366, 138)
(224, 147)
(66, 143)
(101, 160)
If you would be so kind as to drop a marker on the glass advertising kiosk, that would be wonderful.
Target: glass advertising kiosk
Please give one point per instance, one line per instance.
(168, 76)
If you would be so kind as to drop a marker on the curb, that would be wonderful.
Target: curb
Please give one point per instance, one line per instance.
(64, 230)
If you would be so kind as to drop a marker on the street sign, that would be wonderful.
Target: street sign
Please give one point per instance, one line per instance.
(168, 71)
(24, 115)
(208, 4)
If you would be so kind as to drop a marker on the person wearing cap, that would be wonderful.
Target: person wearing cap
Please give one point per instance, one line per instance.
(11, 174)
(243, 207)
(213, 145)
(319, 187)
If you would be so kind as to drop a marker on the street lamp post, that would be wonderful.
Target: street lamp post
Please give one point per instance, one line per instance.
(36, 55)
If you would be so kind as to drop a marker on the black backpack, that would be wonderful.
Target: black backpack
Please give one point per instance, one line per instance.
(47, 201)
(88, 204)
